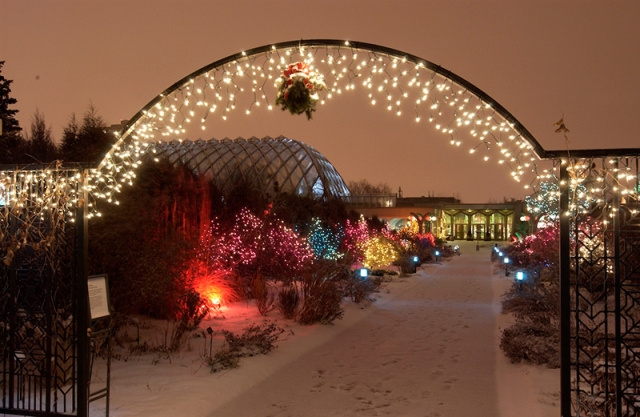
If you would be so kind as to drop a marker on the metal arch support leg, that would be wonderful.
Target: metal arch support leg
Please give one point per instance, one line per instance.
(565, 296)
(82, 295)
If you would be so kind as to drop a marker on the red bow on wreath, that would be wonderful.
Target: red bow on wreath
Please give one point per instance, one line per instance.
(296, 68)
(297, 91)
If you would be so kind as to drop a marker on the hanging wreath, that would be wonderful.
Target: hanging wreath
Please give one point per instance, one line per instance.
(298, 89)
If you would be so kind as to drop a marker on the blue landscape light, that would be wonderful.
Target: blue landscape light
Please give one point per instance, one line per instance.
(520, 276)
(363, 272)
(415, 259)
(506, 266)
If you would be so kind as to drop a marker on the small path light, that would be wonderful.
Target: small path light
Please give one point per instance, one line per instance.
(415, 259)
(363, 273)
(437, 255)
(210, 331)
(520, 279)
(506, 266)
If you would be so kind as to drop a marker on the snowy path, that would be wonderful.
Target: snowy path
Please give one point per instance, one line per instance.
(428, 347)
(427, 350)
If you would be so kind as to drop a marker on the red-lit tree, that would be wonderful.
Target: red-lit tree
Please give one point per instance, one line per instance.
(253, 245)
(356, 236)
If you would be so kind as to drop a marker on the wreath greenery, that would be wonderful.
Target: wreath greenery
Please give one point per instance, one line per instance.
(298, 89)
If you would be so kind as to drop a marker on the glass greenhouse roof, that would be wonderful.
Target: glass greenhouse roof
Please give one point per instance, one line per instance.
(297, 168)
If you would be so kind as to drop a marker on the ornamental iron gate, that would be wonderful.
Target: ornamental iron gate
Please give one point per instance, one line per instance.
(43, 241)
(43, 300)
(600, 287)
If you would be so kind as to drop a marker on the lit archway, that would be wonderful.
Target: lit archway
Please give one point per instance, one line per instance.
(469, 118)
(246, 82)
(600, 371)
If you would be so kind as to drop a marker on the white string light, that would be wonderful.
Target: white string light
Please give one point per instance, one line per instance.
(241, 87)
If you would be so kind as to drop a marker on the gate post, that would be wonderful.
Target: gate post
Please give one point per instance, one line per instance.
(565, 294)
(617, 292)
(82, 295)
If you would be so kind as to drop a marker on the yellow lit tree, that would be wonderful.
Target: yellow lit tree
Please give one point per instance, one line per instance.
(379, 252)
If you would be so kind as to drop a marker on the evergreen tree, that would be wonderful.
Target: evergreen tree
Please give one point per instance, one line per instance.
(87, 141)
(11, 142)
(40, 146)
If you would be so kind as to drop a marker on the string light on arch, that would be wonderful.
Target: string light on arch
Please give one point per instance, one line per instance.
(245, 83)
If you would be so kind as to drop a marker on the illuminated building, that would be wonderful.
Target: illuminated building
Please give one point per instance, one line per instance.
(265, 164)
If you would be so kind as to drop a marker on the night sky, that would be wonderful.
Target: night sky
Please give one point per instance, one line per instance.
(539, 59)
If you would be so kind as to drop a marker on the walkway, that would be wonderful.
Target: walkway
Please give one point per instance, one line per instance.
(429, 350)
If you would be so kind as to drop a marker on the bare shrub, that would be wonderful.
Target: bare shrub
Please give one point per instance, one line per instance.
(322, 296)
(257, 339)
(288, 301)
(539, 304)
(538, 343)
(188, 318)
(224, 358)
(265, 299)
(406, 264)
(535, 337)
(359, 289)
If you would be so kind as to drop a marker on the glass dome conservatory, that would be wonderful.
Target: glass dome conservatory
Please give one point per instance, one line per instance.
(297, 168)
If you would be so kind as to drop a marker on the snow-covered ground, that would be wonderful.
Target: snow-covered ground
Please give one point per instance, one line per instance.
(428, 346)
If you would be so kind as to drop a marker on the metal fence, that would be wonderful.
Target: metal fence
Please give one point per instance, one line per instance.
(600, 288)
(43, 300)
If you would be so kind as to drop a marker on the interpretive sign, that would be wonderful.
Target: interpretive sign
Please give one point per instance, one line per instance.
(99, 296)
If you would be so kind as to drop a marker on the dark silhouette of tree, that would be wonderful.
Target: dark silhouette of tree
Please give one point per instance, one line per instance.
(363, 186)
(40, 146)
(11, 142)
(87, 141)
(147, 242)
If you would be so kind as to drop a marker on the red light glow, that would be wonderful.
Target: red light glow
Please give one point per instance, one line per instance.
(218, 294)
(214, 286)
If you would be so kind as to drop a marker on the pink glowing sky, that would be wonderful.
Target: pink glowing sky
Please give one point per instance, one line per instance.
(538, 59)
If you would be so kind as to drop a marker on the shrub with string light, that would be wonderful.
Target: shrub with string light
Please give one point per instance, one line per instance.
(253, 244)
(356, 236)
(324, 241)
(379, 252)
(546, 201)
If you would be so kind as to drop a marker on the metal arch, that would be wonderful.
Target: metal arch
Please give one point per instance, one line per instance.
(484, 97)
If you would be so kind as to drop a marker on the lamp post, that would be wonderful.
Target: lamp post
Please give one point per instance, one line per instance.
(506, 266)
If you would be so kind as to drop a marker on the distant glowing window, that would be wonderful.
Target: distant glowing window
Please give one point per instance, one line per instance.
(460, 218)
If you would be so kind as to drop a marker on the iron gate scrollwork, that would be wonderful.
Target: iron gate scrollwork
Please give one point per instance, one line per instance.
(600, 251)
(40, 338)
